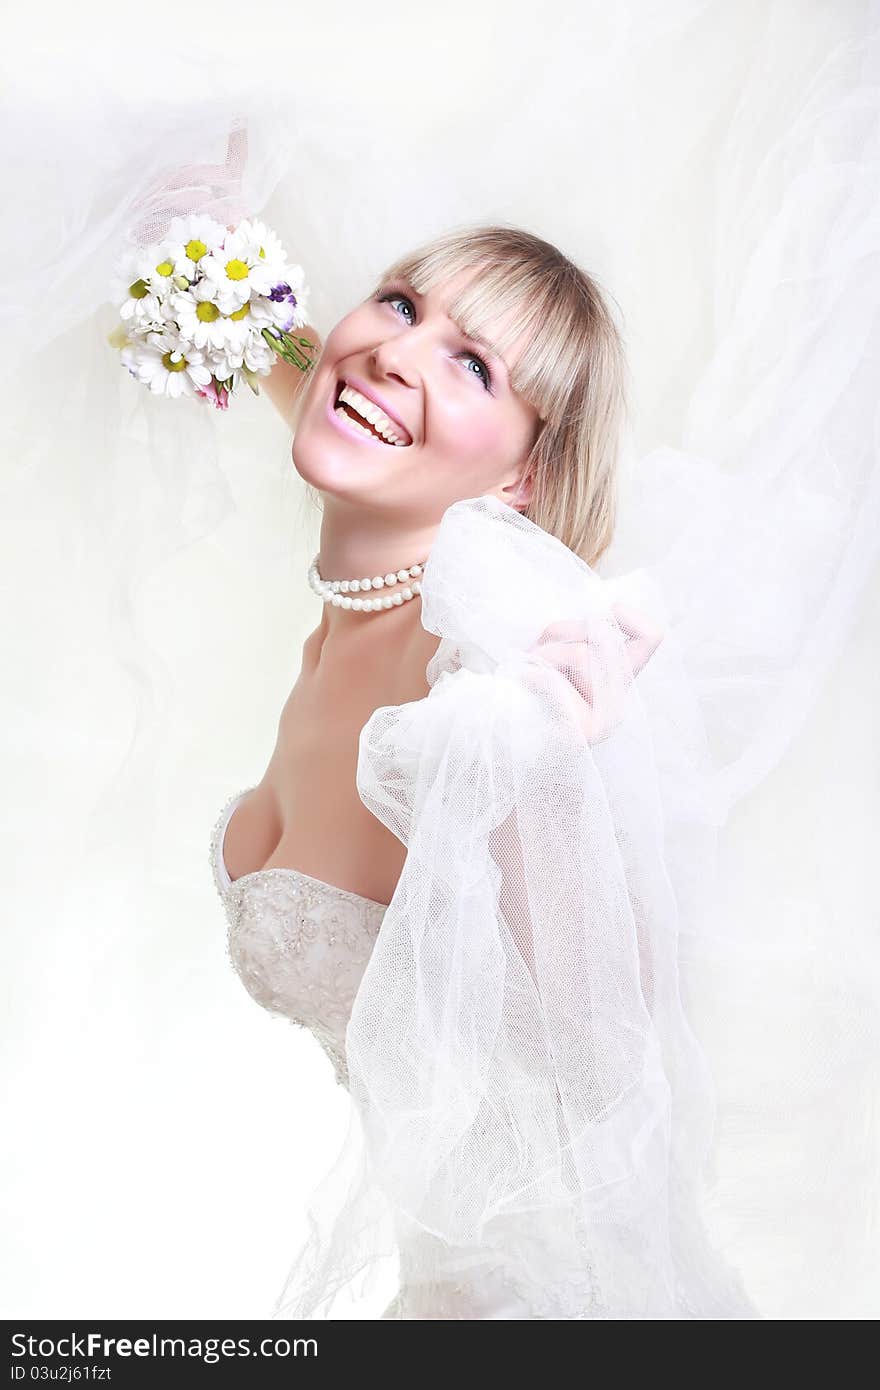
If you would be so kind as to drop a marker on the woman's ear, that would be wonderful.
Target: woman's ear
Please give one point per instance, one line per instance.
(521, 492)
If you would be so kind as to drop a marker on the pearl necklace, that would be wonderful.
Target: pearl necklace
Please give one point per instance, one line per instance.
(338, 591)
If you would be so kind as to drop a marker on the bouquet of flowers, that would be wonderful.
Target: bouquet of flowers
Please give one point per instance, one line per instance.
(207, 306)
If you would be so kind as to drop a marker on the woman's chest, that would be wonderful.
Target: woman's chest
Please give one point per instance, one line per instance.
(307, 813)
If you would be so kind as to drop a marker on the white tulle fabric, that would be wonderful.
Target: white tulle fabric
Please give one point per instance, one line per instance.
(584, 1082)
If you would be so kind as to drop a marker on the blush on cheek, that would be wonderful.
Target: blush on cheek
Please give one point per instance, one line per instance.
(482, 437)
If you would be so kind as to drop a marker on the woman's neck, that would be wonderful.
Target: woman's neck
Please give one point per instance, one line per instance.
(358, 544)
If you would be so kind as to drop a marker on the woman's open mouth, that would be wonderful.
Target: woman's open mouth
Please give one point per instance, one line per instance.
(360, 415)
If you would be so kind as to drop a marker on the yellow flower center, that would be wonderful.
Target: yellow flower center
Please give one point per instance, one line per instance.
(236, 269)
(195, 249)
(262, 252)
(173, 366)
(240, 313)
(165, 268)
(139, 290)
(207, 312)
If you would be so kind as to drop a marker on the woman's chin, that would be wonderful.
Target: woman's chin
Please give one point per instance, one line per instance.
(334, 475)
(325, 460)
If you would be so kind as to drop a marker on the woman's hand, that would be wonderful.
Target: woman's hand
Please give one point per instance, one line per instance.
(590, 656)
(286, 383)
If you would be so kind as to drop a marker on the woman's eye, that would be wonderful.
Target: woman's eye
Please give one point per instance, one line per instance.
(484, 373)
(390, 299)
(484, 370)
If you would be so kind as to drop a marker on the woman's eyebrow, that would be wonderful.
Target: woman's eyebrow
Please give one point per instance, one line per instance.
(484, 343)
(471, 337)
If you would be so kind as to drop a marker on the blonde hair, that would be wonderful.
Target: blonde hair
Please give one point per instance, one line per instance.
(573, 370)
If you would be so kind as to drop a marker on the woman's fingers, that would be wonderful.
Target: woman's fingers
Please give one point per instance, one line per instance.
(641, 639)
(586, 653)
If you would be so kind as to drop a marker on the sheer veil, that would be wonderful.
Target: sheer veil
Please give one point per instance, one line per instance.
(717, 171)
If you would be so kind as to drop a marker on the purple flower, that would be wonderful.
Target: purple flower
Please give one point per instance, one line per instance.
(283, 294)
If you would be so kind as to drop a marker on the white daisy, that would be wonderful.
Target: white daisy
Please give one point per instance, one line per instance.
(199, 318)
(192, 238)
(254, 356)
(257, 355)
(167, 364)
(237, 270)
(269, 247)
(143, 311)
(164, 264)
(139, 306)
(239, 326)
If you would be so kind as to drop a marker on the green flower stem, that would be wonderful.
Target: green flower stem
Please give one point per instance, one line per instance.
(288, 349)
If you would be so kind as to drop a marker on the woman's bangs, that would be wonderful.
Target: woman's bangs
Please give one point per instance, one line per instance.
(502, 299)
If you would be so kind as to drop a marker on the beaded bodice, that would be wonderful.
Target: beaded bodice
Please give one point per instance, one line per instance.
(299, 945)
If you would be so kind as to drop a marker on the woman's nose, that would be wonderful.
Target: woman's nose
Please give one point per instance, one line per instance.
(391, 358)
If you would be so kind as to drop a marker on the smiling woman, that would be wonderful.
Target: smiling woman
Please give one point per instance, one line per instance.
(501, 361)
(481, 380)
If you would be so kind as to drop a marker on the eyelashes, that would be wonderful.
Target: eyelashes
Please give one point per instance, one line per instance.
(386, 295)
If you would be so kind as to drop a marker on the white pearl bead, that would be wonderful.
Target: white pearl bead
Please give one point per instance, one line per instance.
(336, 591)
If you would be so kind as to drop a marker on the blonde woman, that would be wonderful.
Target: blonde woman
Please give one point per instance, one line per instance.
(534, 423)
(431, 874)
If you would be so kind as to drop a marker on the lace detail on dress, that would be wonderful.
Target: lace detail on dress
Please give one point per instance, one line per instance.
(300, 946)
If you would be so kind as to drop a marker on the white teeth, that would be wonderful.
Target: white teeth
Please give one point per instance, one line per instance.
(377, 418)
(355, 424)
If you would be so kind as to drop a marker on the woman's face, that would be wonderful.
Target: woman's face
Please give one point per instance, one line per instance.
(466, 432)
